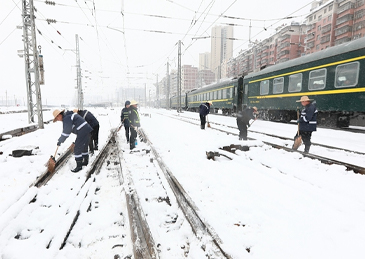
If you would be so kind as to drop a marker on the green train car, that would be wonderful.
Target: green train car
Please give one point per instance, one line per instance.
(174, 104)
(334, 78)
(223, 95)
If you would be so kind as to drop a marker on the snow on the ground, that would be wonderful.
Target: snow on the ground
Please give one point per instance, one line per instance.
(264, 203)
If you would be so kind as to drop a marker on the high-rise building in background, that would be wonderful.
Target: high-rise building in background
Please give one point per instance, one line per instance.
(221, 49)
(204, 61)
(189, 78)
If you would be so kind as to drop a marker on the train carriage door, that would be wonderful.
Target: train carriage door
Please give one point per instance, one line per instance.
(240, 94)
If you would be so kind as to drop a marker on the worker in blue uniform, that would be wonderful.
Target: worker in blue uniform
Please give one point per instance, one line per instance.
(74, 123)
(94, 123)
(243, 121)
(134, 123)
(204, 109)
(307, 121)
(124, 117)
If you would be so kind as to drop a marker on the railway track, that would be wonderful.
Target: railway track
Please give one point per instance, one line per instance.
(349, 166)
(201, 229)
(20, 131)
(80, 200)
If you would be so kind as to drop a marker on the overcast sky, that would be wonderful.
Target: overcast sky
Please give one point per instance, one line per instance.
(126, 43)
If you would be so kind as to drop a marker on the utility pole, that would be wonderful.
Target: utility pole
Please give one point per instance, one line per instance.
(167, 86)
(34, 101)
(157, 92)
(179, 78)
(80, 95)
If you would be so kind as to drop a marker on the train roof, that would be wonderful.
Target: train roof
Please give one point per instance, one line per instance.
(326, 53)
(207, 87)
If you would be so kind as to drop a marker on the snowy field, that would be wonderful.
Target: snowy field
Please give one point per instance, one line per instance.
(264, 203)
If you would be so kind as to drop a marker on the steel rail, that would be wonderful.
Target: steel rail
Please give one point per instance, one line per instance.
(349, 167)
(200, 228)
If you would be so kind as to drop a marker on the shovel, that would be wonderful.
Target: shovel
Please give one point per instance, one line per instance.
(208, 124)
(298, 139)
(52, 162)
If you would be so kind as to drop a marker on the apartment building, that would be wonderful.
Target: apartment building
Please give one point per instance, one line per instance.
(204, 61)
(189, 78)
(330, 23)
(221, 49)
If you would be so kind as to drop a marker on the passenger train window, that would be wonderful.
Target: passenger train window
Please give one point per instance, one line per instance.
(215, 95)
(246, 89)
(219, 94)
(224, 91)
(278, 86)
(264, 87)
(347, 75)
(317, 79)
(229, 93)
(295, 83)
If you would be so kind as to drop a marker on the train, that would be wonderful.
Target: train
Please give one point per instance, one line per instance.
(333, 77)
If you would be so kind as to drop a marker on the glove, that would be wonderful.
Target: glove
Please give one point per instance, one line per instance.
(58, 143)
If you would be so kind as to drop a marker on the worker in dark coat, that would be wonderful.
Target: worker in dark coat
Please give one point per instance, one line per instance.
(94, 123)
(204, 109)
(134, 123)
(243, 121)
(307, 121)
(125, 119)
(74, 123)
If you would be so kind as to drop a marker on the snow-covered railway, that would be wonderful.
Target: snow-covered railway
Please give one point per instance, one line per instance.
(79, 200)
(285, 143)
(251, 204)
(57, 218)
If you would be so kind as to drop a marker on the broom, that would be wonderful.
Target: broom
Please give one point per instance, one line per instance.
(52, 162)
(208, 124)
(298, 139)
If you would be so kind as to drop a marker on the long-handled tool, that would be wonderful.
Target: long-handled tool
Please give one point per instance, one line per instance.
(52, 162)
(139, 133)
(298, 138)
(121, 125)
(208, 124)
(249, 125)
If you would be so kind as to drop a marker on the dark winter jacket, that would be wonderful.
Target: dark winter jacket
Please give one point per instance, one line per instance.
(308, 118)
(134, 117)
(204, 109)
(72, 122)
(125, 116)
(89, 117)
(244, 117)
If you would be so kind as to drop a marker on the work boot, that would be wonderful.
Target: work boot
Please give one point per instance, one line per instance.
(78, 167)
(306, 149)
(132, 145)
(85, 160)
(202, 126)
